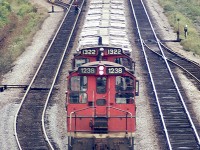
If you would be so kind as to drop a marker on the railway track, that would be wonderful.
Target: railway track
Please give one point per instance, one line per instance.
(175, 120)
(190, 68)
(29, 121)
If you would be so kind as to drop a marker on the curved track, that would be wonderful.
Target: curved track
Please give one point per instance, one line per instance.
(29, 121)
(190, 67)
(176, 122)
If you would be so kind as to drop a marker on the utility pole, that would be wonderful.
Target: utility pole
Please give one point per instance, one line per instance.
(178, 31)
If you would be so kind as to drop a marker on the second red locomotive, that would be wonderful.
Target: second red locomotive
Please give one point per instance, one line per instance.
(105, 53)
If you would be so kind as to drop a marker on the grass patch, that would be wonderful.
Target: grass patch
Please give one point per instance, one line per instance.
(188, 13)
(20, 22)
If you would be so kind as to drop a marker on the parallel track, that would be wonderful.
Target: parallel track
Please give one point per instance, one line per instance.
(29, 121)
(179, 129)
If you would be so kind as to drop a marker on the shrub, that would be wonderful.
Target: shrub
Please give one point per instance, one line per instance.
(19, 21)
(168, 8)
(188, 12)
(25, 9)
(5, 10)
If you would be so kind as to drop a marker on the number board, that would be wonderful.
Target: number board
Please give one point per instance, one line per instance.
(89, 52)
(87, 70)
(115, 70)
(114, 51)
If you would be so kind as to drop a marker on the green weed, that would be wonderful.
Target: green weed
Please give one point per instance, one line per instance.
(181, 13)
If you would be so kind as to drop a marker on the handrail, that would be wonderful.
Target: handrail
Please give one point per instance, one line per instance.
(74, 112)
(70, 120)
(126, 113)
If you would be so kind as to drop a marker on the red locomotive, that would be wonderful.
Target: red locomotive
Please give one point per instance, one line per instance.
(104, 53)
(101, 103)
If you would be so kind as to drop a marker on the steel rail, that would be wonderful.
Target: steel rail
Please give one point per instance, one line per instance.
(188, 72)
(174, 80)
(57, 72)
(29, 87)
(189, 61)
(151, 78)
(180, 55)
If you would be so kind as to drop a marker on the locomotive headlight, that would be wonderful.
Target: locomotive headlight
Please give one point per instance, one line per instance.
(101, 49)
(101, 70)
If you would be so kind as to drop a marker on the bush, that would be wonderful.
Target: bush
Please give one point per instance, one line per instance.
(6, 4)
(19, 21)
(168, 8)
(25, 9)
(5, 10)
(188, 12)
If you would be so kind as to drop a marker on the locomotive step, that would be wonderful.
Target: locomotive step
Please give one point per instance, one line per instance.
(101, 131)
(100, 125)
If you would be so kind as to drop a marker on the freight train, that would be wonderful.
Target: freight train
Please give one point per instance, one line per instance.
(101, 87)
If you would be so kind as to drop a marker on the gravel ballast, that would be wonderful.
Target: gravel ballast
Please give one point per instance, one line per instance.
(26, 64)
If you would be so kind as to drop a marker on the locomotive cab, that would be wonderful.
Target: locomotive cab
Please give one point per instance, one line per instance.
(101, 101)
(111, 54)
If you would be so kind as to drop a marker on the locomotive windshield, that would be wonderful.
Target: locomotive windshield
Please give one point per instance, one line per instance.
(78, 83)
(78, 87)
(124, 87)
(101, 85)
(124, 84)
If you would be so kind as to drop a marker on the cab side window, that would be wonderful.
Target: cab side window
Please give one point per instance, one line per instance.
(124, 84)
(124, 98)
(75, 83)
(124, 87)
(77, 98)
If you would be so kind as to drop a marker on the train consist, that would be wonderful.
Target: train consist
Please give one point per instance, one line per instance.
(100, 99)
